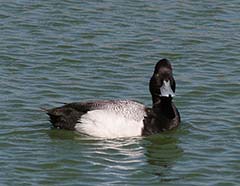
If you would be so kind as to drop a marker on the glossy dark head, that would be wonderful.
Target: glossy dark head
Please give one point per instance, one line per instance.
(162, 65)
(162, 83)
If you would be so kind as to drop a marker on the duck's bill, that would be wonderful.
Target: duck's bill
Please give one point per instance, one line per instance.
(166, 90)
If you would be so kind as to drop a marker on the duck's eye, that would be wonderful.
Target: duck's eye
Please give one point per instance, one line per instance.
(157, 75)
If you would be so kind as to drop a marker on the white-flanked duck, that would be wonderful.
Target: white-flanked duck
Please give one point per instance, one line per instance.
(124, 118)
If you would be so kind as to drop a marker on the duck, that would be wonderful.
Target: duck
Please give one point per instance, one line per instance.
(124, 118)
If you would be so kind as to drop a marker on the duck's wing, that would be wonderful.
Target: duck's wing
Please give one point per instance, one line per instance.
(126, 108)
(69, 114)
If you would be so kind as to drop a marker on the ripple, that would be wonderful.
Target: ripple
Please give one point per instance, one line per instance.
(66, 51)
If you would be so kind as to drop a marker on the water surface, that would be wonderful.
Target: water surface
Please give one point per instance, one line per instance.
(65, 51)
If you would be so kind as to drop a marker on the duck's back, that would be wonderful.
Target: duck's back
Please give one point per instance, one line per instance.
(110, 118)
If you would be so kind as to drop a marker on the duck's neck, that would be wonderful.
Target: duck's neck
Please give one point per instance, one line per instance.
(163, 108)
(155, 98)
(161, 117)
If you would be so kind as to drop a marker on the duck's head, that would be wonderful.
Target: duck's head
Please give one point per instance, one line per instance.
(162, 84)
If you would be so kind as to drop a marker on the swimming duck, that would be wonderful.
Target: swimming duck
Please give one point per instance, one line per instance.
(124, 118)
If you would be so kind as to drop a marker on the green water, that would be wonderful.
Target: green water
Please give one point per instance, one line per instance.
(65, 51)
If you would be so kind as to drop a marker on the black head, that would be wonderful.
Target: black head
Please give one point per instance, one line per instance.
(162, 83)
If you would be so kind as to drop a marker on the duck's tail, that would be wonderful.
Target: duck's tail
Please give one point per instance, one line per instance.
(63, 117)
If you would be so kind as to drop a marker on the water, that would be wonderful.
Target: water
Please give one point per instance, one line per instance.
(65, 51)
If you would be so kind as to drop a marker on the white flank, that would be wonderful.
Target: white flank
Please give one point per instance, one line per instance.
(107, 124)
(166, 89)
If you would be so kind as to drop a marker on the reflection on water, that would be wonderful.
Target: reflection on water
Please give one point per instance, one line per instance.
(125, 157)
(57, 134)
(162, 150)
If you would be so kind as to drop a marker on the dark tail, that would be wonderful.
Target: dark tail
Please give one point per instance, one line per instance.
(63, 118)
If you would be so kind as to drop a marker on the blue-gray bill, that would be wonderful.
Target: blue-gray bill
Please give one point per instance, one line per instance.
(166, 90)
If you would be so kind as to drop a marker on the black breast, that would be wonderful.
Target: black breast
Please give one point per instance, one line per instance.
(157, 121)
